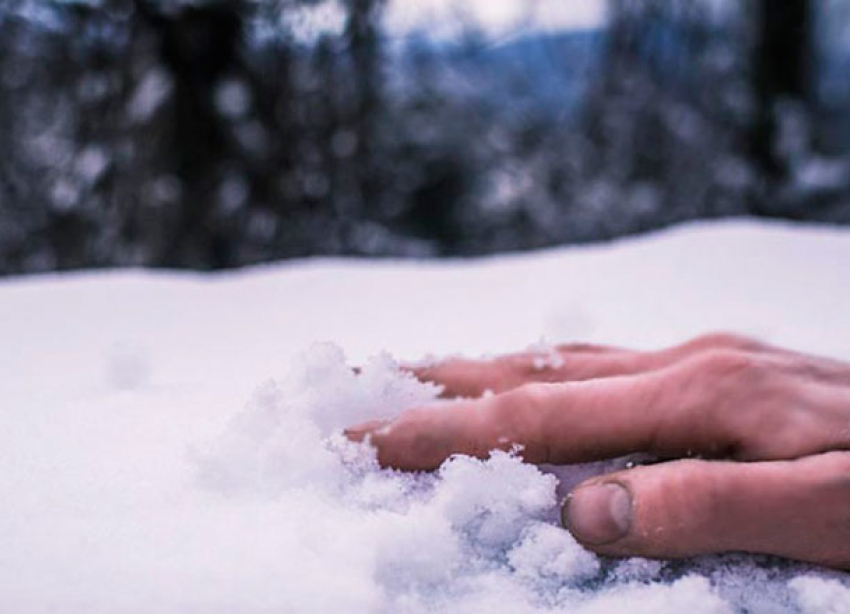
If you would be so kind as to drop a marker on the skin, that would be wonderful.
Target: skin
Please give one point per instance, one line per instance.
(756, 440)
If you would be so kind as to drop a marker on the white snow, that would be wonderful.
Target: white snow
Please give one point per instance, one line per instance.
(169, 442)
(445, 19)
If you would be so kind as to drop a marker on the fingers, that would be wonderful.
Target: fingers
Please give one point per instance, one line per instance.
(719, 403)
(566, 362)
(461, 377)
(554, 423)
(797, 509)
(573, 362)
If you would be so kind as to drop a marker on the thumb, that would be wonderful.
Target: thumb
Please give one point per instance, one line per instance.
(797, 509)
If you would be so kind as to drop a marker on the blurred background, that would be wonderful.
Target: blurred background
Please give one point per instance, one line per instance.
(213, 134)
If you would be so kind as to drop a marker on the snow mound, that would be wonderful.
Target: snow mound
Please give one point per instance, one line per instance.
(108, 378)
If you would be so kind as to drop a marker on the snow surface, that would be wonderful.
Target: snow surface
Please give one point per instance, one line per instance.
(169, 442)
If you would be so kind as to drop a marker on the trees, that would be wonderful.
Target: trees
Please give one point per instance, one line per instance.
(216, 133)
(782, 66)
(746, 74)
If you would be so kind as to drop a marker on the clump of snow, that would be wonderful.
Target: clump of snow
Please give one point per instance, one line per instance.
(820, 595)
(548, 554)
(545, 356)
(548, 361)
(637, 569)
(289, 435)
(431, 540)
(690, 594)
(473, 536)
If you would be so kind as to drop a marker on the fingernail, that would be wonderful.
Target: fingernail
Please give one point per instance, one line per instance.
(598, 514)
(358, 433)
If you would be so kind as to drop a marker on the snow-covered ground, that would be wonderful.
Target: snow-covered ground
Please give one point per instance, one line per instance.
(169, 442)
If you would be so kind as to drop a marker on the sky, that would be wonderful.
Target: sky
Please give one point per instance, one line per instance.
(446, 19)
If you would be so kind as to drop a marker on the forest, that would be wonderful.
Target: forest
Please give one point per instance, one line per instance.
(217, 134)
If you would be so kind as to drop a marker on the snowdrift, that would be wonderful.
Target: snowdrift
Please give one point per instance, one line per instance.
(171, 442)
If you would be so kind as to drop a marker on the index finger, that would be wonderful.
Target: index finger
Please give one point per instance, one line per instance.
(556, 423)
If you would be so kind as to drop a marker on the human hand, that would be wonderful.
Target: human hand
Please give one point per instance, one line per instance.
(771, 428)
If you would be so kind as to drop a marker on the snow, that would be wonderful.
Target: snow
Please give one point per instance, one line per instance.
(444, 19)
(170, 442)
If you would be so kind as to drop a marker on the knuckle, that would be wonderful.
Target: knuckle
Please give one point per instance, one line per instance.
(522, 366)
(413, 442)
(730, 365)
(829, 481)
(533, 397)
(509, 409)
(760, 408)
(731, 395)
(521, 399)
(837, 466)
(519, 413)
(414, 428)
(725, 340)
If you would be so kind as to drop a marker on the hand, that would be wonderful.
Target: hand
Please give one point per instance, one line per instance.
(771, 428)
